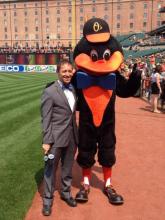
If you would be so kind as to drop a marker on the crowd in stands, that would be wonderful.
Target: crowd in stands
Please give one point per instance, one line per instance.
(133, 41)
(142, 41)
(33, 49)
(148, 66)
(154, 40)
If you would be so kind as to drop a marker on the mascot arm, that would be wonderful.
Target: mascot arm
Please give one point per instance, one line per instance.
(74, 83)
(126, 88)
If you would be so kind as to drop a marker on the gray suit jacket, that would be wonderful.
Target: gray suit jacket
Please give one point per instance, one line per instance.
(58, 120)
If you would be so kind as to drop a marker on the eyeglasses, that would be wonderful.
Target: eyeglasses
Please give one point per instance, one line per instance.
(48, 157)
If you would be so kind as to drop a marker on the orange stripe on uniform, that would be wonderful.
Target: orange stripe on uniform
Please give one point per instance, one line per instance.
(97, 99)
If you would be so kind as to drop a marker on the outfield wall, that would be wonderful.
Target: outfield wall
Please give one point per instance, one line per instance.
(36, 58)
(28, 68)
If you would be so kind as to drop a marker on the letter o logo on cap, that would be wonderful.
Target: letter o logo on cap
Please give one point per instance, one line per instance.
(97, 27)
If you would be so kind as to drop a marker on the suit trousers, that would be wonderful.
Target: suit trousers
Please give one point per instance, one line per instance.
(66, 156)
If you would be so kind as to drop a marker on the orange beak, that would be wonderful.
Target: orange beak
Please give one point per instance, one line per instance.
(101, 66)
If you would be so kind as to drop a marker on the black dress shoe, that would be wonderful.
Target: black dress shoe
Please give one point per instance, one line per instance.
(46, 211)
(70, 201)
(113, 197)
(82, 195)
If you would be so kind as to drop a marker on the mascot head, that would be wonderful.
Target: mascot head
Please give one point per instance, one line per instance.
(98, 52)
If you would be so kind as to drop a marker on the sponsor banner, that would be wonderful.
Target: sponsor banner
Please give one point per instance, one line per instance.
(41, 68)
(28, 68)
(12, 68)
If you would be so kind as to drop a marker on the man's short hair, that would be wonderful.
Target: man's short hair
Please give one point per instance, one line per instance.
(63, 62)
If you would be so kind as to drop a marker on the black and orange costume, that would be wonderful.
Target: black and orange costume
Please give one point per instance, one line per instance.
(98, 57)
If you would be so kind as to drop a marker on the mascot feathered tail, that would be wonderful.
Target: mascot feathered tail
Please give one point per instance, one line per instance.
(98, 57)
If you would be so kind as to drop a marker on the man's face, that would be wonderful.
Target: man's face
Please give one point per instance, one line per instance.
(65, 74)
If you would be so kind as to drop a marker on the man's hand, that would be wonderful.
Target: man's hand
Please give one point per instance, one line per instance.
(46, 148)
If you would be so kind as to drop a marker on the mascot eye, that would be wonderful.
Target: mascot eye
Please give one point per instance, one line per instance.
(94, 55)
(106, 54)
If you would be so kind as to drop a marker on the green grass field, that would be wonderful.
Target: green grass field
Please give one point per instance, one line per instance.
(21, 164)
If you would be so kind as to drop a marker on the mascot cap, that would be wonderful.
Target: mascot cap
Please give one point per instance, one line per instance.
(96, 30)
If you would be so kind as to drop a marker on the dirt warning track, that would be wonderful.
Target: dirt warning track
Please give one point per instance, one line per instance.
(138, 174)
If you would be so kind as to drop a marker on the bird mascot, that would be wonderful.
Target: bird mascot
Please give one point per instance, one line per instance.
(98, 57)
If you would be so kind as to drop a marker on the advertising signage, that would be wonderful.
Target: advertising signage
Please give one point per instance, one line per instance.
(28, 68)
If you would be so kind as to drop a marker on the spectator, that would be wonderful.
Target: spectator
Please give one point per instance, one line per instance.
(155, 88)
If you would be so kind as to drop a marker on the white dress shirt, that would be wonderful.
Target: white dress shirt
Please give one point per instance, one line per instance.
(69, 95)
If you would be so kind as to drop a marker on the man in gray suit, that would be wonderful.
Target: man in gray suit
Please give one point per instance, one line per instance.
(58, 107)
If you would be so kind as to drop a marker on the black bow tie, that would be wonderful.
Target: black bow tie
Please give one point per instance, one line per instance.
(67, 86)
